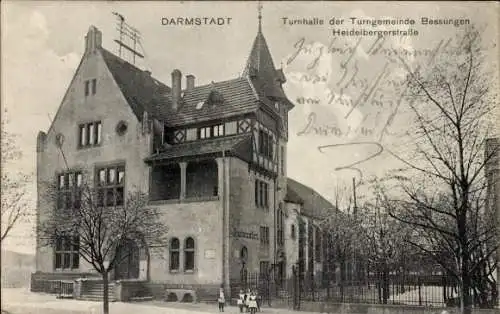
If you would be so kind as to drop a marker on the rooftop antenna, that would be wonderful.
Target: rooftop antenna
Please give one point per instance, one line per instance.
(126, 31)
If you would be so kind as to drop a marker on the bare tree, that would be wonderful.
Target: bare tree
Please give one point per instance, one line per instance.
(443, 188)
(101, 232)
(15, 205)
(386, 245)
(343, 238)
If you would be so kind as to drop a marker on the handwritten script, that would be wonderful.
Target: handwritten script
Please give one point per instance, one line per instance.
(353, 91)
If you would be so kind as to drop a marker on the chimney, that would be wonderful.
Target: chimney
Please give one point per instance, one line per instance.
(93, 39)
(176, 88)
(189, 81)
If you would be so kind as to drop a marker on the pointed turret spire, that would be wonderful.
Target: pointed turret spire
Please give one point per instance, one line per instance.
(259, 8)
(260, 59)
(260, 67)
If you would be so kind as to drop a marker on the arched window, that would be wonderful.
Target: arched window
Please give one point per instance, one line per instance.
(292, 232)
(189, 254)
(244, 254)
(174, 254)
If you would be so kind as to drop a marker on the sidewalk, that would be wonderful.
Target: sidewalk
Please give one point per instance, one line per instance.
(22, 301)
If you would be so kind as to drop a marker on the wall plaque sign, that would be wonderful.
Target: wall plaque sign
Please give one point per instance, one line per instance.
(246, 235)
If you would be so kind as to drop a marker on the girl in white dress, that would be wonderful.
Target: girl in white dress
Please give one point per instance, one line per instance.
(221, 300)
(252, 303)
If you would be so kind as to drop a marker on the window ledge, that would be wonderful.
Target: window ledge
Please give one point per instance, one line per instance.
(186, 200)
(88, 146)
(161, 202)
(200, 199)
(189, 272)
(66, 270)
(174, 271)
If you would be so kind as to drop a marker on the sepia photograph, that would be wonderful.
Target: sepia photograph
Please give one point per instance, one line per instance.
(283, 157)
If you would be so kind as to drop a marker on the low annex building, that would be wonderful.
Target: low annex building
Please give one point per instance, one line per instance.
(212, 158)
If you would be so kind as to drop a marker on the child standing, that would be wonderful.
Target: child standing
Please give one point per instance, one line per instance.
(259, 300)
(252, 303)
(221, 300)
(241, 301)
(247, 299)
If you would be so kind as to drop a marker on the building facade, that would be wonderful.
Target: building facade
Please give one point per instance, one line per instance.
(211, 158)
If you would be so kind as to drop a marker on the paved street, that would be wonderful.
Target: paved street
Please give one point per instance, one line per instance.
(22, 301)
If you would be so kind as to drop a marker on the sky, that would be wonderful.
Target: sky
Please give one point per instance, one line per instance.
(42, 44)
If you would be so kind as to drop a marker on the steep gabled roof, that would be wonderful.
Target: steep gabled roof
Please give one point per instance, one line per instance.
(313, 204)
(237, 97)
(138, 86)
(145, 93)
(265, 77)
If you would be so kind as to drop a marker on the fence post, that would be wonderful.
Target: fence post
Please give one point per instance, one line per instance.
(313, 286)
(268, 279)
(419, 283)
(328, 285)
(444, 289)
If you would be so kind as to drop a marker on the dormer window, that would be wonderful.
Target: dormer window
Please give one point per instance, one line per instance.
(215, 98)
(200, 105)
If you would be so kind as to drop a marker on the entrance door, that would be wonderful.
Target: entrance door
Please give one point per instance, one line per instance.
(128, 261)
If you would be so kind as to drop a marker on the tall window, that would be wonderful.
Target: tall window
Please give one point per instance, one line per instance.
(280, 232)
(174, 254)
(189, 254)
(261, 194)
(263, 268)
(89, 134)
(67, 253)
(282, 160)
(292, 232)
(87, 88)
(317, 244)
(266, 144)
(88, 84)
(69, 193)
(94, 86)
(264, 236)
(110, 186)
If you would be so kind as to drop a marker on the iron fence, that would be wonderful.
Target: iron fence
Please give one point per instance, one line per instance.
(396, 289)
(61, 288)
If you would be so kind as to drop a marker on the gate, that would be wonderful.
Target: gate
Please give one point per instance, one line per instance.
(272, 289)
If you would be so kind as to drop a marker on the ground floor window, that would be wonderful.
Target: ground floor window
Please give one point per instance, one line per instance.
(174, 254)
(67, 253)
(189, 254)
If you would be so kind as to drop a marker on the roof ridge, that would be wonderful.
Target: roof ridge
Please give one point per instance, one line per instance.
(215, 83)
